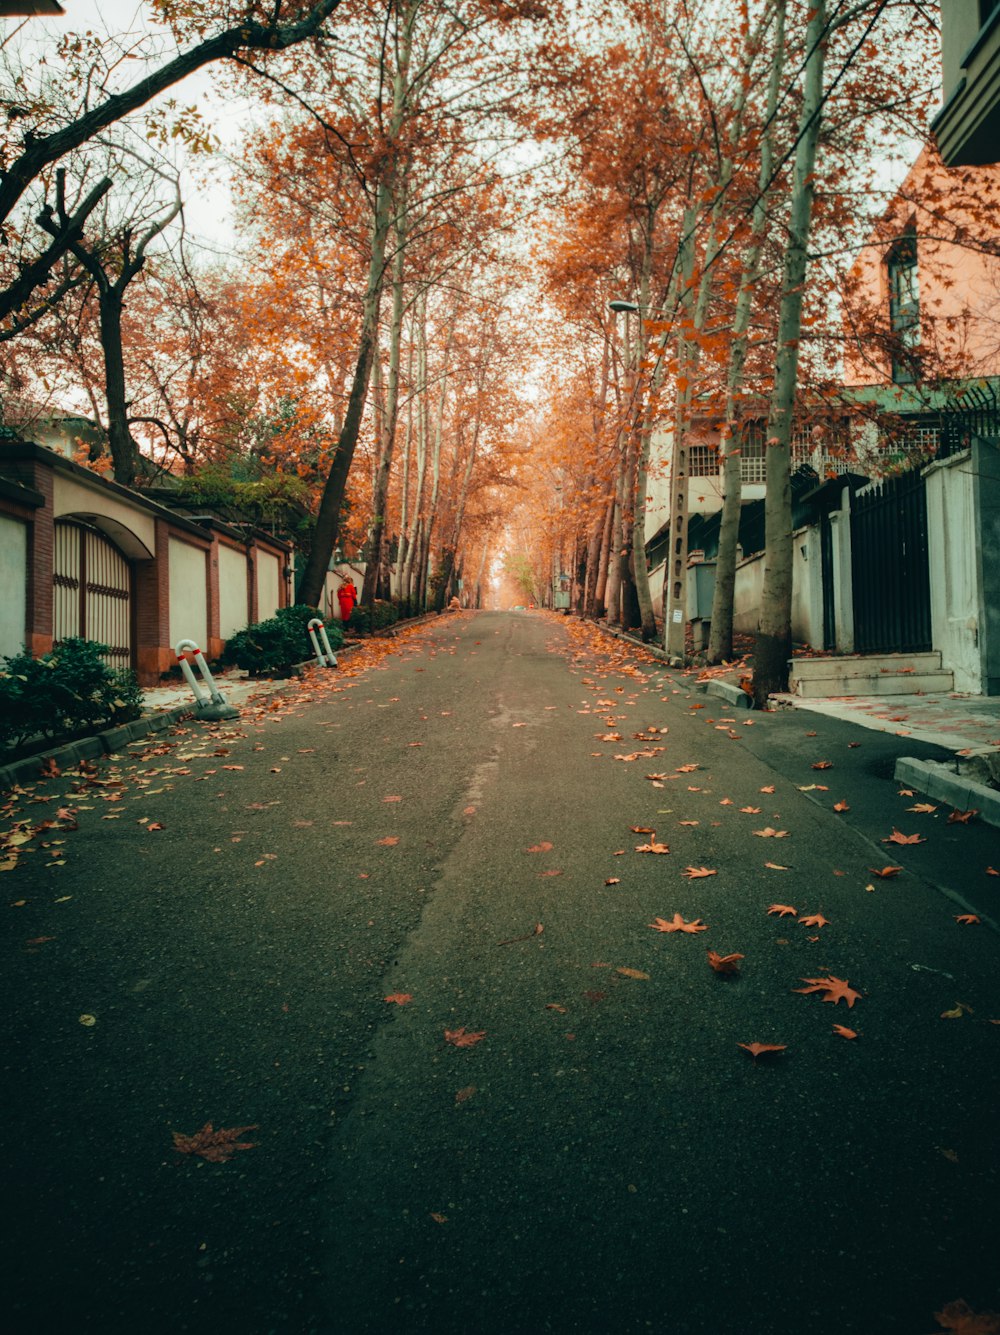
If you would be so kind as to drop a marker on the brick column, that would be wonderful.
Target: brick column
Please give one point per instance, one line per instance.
(154, 654)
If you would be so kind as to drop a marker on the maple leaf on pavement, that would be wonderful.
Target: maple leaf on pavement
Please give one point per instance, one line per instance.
(885, 872)
(399, 998)
(814, 920)
(652, 848)
(725, 964)
(783, 910)
(959, 1318)
(215, 1146)
(694, 873)
(768, 832)
(460, 1039)
(967, 918)
(677, 924)
(957, 817)
(835, 989)
(925, 808)
(760, 1049)
(898, 838)
(844, 1032)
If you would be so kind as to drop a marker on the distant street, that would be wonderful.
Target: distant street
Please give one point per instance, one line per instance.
(433, 932)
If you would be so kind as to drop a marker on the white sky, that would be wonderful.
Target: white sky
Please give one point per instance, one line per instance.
(205, 180)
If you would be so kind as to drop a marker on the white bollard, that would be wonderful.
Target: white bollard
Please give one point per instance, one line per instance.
(325, 657)
(212, 705)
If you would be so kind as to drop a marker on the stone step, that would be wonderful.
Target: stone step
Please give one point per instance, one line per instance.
(865, 665)
(876, 683)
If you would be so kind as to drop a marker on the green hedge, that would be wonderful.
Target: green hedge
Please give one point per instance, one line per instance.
(63, 692)
(365, 619)
(280, 642)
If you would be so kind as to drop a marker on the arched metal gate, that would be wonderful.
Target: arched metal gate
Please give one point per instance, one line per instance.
(92, 591)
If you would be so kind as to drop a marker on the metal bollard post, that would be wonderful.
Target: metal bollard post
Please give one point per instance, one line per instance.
(325, 657)
(213, 705)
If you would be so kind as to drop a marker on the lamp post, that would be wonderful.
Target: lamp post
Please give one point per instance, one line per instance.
(675, 573)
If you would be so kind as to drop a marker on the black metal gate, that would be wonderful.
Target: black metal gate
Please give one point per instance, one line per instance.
(891, 578)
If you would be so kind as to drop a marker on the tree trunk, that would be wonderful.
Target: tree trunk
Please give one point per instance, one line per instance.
(720, 644)
(123, 447)
(774, 632)
(380, 490)
(328, 518)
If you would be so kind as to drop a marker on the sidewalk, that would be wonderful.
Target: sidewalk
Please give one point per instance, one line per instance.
(172, 703)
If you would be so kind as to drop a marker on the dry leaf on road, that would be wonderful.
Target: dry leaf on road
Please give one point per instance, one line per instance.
(834, 989)
(215, 1146)
(459, 1038)
(677, 924)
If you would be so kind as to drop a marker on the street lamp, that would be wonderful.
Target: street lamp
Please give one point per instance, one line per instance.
(619, 306)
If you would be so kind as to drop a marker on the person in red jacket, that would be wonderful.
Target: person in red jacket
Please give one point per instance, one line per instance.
(347, 596)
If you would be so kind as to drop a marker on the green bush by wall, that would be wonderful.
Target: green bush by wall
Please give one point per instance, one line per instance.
(278, 643)
(63, 692)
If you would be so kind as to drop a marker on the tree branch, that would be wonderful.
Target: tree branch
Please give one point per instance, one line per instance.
(66, 235)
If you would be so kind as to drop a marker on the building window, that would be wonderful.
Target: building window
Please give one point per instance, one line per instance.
(753, 467)
(703, 461)
(904, 309)
(987, 8)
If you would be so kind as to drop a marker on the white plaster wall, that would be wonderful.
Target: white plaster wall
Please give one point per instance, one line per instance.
(268, 585)
(952, 561)
(807, 587)
(72, 497)
(234, 608)
(188, 594)
(14, 582)
(807, 590)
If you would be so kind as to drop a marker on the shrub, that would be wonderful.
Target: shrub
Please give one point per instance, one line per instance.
(63, 692)
(366, 619)
(277, 644)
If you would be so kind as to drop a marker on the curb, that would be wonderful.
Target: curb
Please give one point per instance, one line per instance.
(941, 779)
(733, 695)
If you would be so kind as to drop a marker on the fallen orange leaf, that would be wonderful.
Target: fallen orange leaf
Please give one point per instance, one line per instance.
(959, 1318)
(768, 832)
(898, 838)
(399, 998)
(967, 918)
(632, 973)
(389, 841)
(885, 872)
(815, 920)
(543, 847)
(835, 989)
(843, 1031)
(459, 1038)
(776, 866)
(962, 817)
(841, 806)
(693, 873)
(759, 1049)
(677, 924)
(783, 910)
(823, 764)
(215, 1146)
(724, 963)
(652, 848)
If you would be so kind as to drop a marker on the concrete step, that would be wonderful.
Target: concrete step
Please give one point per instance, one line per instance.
(865, 665)
(874, 683)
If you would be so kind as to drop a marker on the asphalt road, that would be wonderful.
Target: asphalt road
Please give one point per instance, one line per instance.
(443, 826)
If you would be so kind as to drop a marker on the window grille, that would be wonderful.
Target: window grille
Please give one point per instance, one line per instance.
(703, 461)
